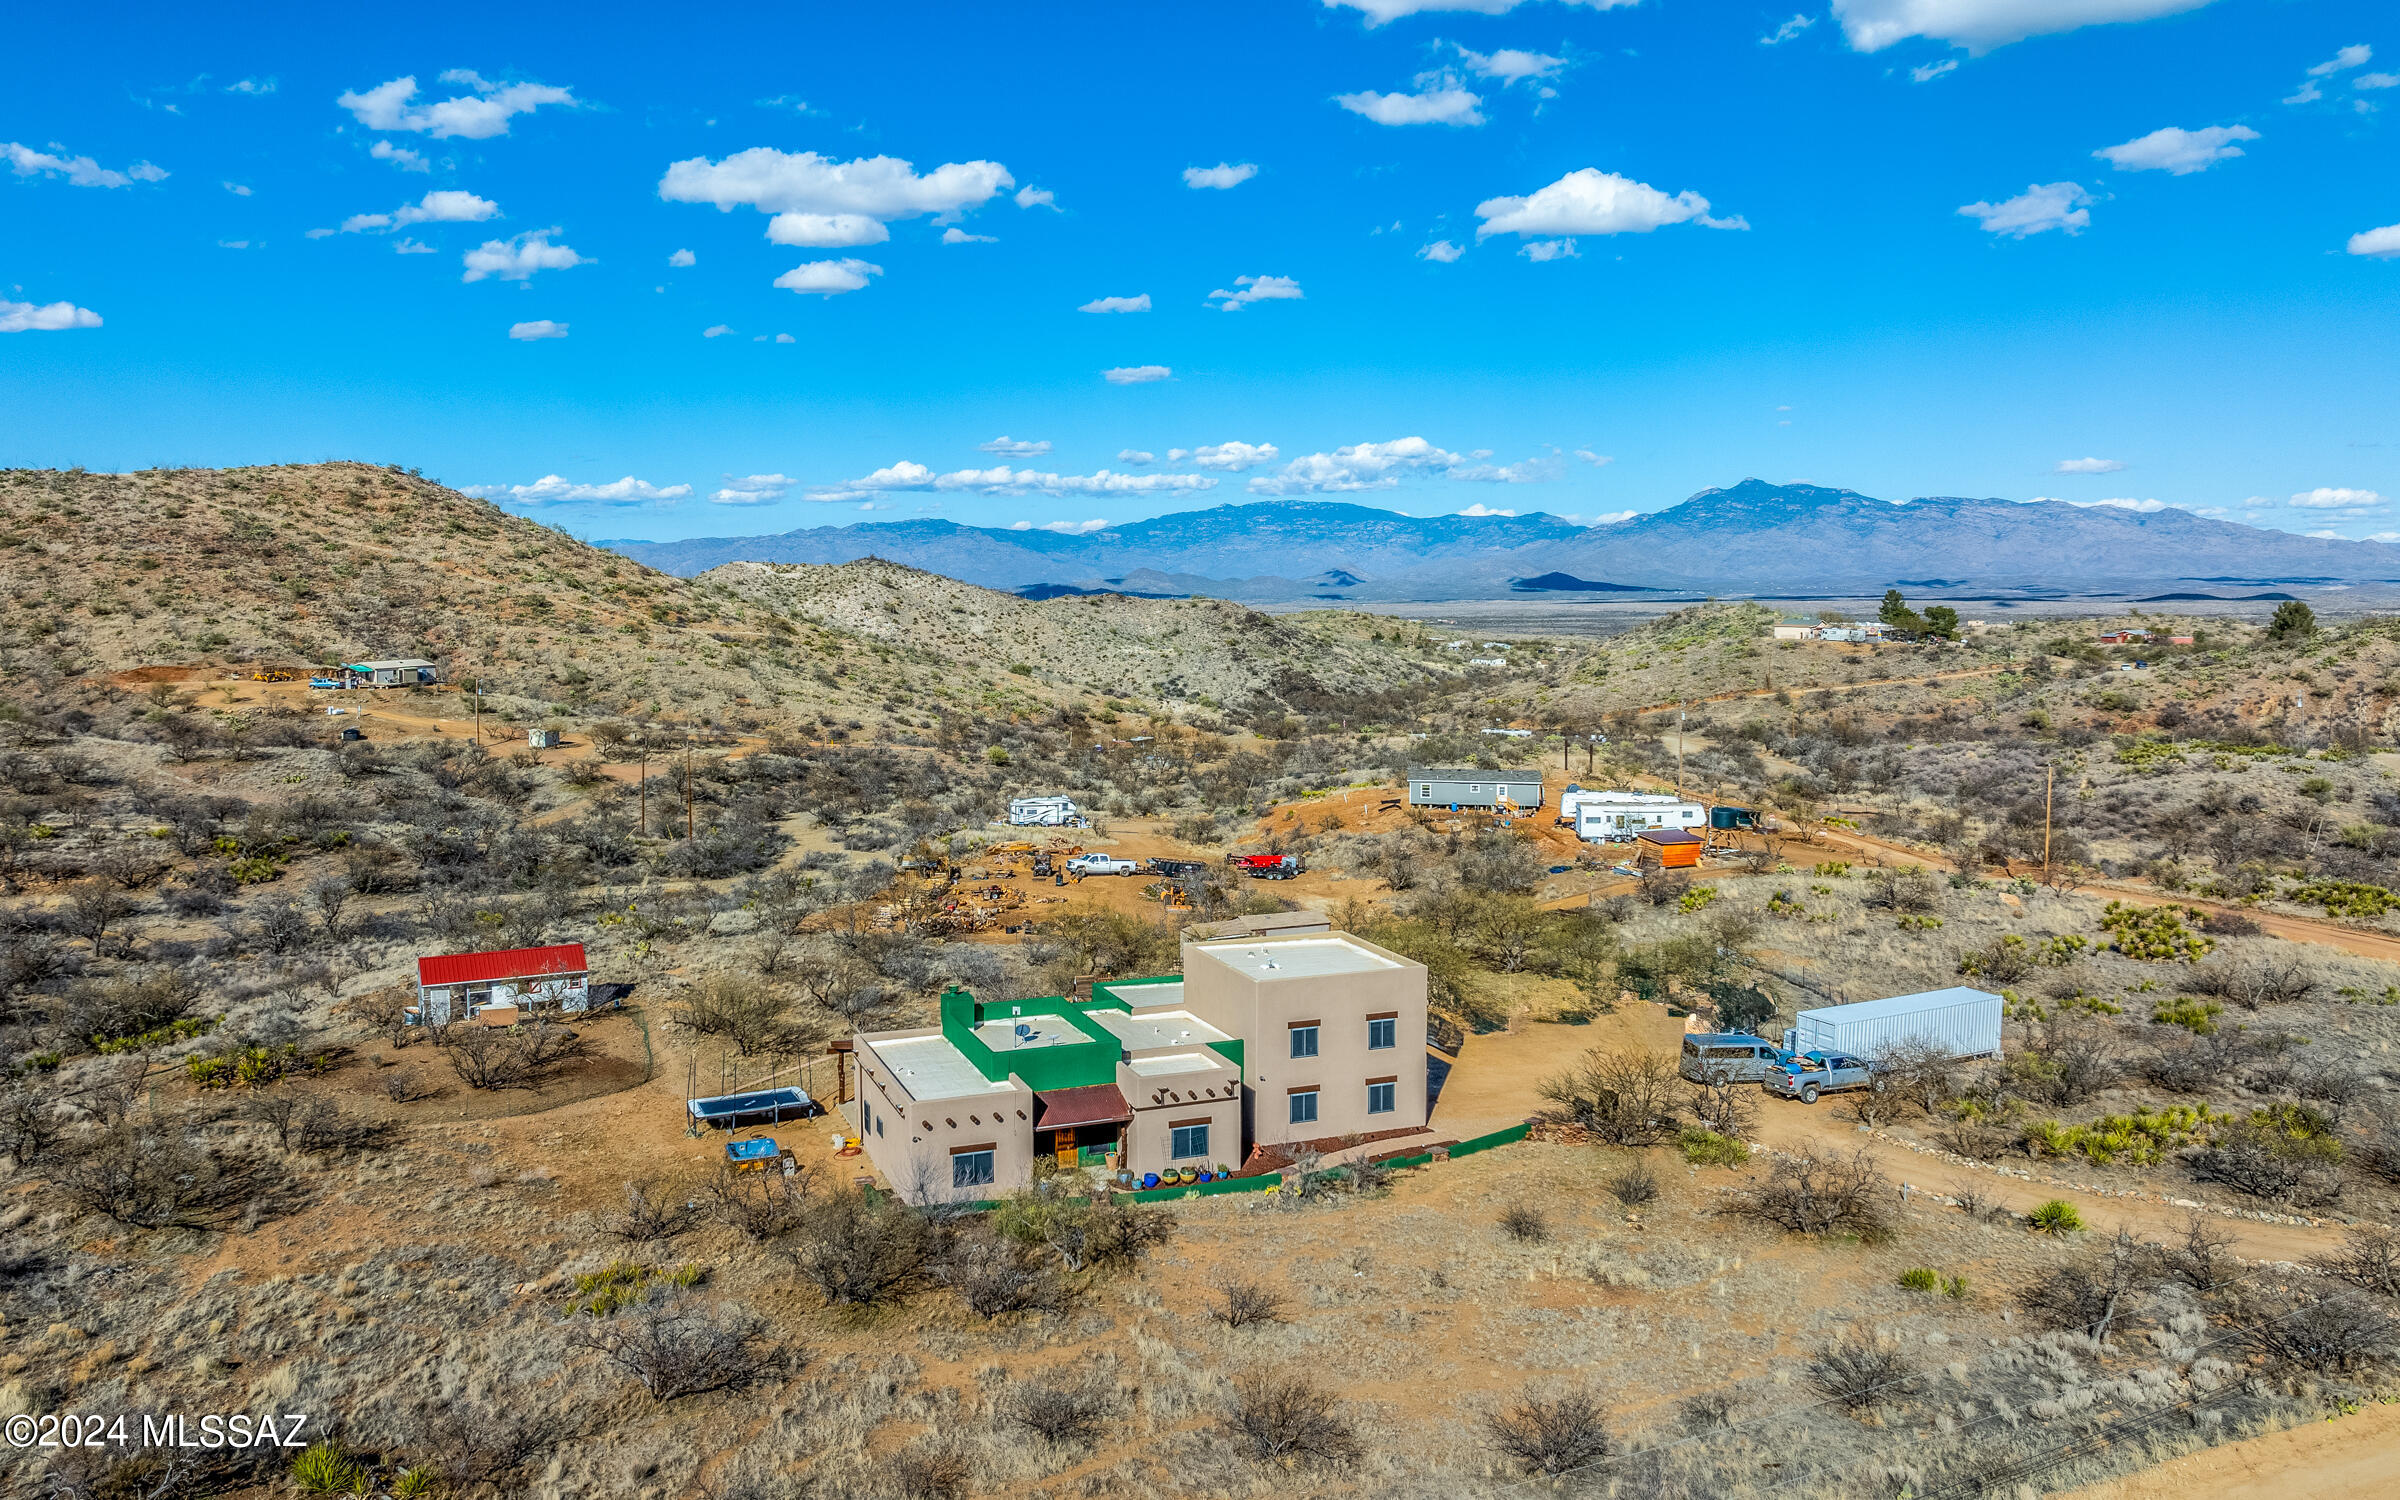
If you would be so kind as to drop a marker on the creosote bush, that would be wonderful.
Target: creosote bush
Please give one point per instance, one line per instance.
(1285, 1418)
(1818, 1194)
(1551, 1435)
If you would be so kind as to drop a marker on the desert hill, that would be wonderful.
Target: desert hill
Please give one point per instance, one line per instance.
(293, 566)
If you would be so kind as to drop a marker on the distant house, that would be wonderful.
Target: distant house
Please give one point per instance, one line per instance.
(1431, 786)
(499, 987)
(1795, 630)
(2123, 637)
(405, 671)
(2179, 640)
(1487, 661)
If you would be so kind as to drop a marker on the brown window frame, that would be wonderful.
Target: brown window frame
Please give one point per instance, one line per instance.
(1297, 1025)
(1383, 1015)
(1183, 1124)
(1395, 1078)
(991, 1146)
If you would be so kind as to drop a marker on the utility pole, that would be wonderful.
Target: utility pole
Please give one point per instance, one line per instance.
(2048, 772)
(644, 816)
(687, 785)
(1679, 754)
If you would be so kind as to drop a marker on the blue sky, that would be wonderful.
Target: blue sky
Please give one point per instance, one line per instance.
(646, 276)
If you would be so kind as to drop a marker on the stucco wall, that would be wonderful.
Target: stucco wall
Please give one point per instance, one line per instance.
(911, 1141)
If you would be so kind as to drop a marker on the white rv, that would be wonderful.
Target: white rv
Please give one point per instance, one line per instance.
(1044, 812)
(1624, 820)
(1575, 799)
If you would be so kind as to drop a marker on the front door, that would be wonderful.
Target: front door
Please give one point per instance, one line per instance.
(1065, 1146)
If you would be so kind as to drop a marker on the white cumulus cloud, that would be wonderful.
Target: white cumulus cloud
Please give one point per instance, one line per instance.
(1540, 250)
(2088, 466)
(1135, 456)
(1509, 65)
(1033, 197)
(1117, 304)
(79, 171)
(48, 317)
(1224, 174)
(1361, 466)
(823, 203)
(519, 257)
(1479, 509)
(239, 190)
(826, 231)
(1591, 201)
(957, 236)
(1249, 289)
(1136, 374)
(2181, 152)
(551, 489)
(1384, 12)
(1008, 447)
(1063, 528)
(1928, 72)
(1436, 104)
(2328, 498)
(907, 475)
(1980, 25)
(1441, 252)
(752, 489)
(1596, 460)
(682, 258)
(2043, 206)
(1231, 458)
(2382, 243)
(828, 278)
(476, 116)
(447, 206)
(1788, 30)
(2122, 502)
(399, 156)
(2311, 89)
(540, 328)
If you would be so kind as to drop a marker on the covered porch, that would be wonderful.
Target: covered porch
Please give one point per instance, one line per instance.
(1080, 1127)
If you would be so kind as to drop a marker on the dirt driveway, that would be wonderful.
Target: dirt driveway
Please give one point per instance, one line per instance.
(2352, 1458)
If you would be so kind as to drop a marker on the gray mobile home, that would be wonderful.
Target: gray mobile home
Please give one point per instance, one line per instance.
(1434, 786)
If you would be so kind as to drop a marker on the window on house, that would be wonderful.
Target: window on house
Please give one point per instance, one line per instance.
(1382, 1032)
(1304, 1108)
(970, 1168)
(1425, 791)
(1382, 1098)
(1190, 1143)
(1304, 1041)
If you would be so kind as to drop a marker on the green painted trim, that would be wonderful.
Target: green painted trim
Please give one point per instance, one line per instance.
(1202, 1189)
(1508, 1137)
(1231, 1050)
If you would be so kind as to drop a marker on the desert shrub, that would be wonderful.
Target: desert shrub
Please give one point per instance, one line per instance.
(764, 1206)
(2056, 1218)
(748, 1012)
(1060, 1415)
(1288, 1418)
(2286, 1153)
(510, 1057)
(2156, 934)
(859, 1252)
(1819, 1194)
(932, 1470)
(1083, 1234)
(1635, 1186)
(673, 1348)
(653, 1212)
(2259, 980)
(2199, 1017)
(2202, 1258)
(2090, 1295)
(1625, 1097)
(324, 1469)
(2369, 1258)
(1921, 1279)
(2066, 1062)
(1706, 1148)
(1551, 1435)
(1861, 1373)
(994, 1275)
(153, 1175)
(1525, 1223)
(1244, 1304)
(2143, 1137)
(2329, 1331)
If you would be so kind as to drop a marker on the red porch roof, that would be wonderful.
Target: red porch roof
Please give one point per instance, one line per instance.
(1094, 1104)
(511, 963)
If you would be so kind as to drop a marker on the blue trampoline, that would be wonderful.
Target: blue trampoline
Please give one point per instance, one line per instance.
(731, 1109)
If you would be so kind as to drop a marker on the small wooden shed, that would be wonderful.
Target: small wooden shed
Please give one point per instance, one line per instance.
(1668, 849)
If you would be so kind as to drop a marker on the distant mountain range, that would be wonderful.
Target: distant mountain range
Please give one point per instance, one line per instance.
(1754, 537)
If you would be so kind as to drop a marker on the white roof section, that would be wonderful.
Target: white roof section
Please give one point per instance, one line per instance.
(1178, 1062)
(1145, 1033)
(1298, 958)
(393, 664)
(1906, 1005)
(1147, 996)
(1028, 1033)
(930, 1069)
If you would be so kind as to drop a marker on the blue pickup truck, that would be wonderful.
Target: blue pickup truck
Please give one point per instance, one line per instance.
(1806, 1075)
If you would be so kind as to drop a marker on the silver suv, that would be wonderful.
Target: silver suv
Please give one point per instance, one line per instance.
(1733, 1055)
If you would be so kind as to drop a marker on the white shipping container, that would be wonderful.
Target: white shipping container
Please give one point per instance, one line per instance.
(1962, 1021)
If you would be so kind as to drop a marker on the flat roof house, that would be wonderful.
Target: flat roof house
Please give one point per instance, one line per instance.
(1148, 1071)
(405, 671)
(1436, 786)
(498, 987)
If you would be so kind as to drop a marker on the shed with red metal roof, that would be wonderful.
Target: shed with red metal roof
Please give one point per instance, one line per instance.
(459, 986)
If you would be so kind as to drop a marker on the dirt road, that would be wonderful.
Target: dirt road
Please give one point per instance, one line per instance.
(2356, 1457)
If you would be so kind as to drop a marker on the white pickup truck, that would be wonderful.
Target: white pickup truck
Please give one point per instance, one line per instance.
(1101, 864)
